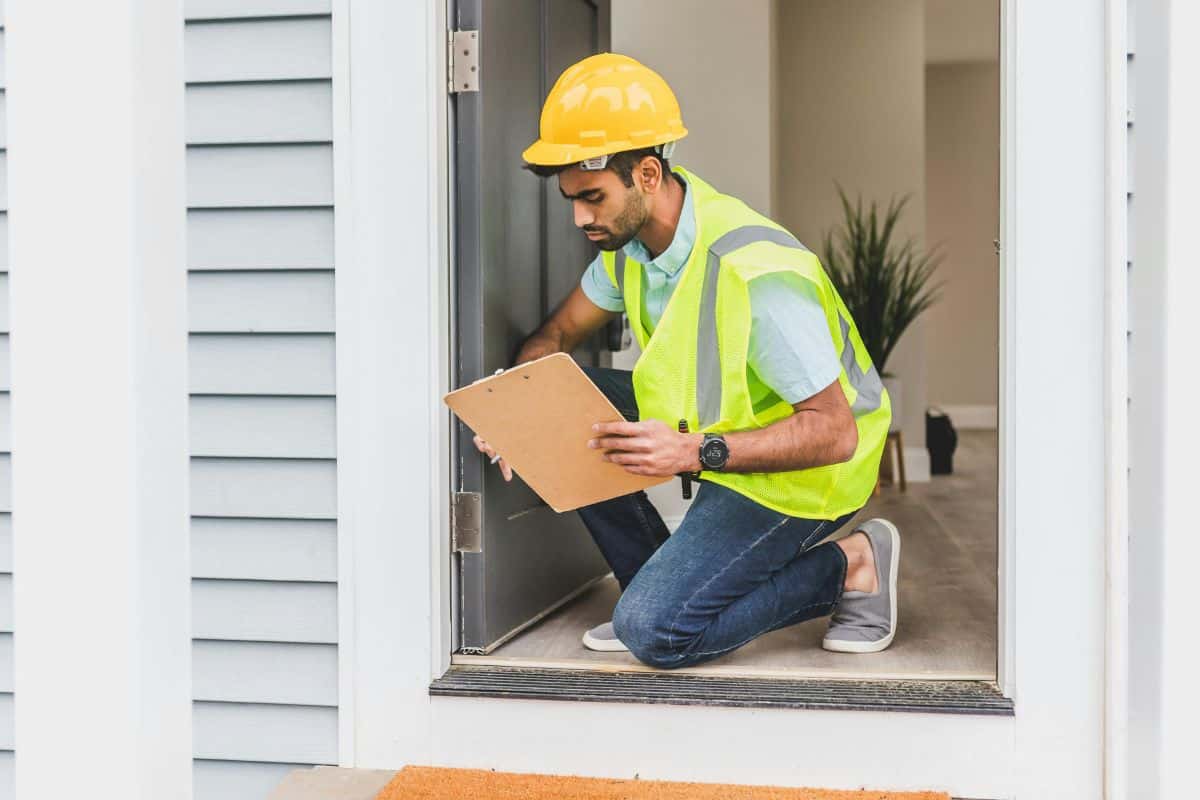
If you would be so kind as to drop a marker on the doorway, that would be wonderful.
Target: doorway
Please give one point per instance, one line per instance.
(903, 99)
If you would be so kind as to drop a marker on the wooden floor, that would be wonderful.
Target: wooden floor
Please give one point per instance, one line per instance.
(947, 596)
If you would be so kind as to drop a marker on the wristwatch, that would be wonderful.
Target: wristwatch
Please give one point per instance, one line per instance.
(714, 452)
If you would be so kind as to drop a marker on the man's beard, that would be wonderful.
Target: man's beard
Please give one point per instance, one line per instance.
(627, 224)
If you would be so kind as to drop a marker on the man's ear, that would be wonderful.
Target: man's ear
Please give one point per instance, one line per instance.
(650, 171)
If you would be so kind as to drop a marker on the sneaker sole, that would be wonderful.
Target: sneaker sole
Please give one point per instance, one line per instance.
(845, 646)
(604, 645)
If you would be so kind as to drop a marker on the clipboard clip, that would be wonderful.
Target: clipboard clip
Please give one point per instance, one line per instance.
(485, 377)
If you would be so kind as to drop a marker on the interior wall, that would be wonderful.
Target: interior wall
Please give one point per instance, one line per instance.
(851, 85)
(962, 169)
(716, 56)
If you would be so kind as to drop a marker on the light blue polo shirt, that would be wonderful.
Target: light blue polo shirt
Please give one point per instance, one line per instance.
(790, 348)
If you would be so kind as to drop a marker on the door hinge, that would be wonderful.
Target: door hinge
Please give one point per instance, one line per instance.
(462, 65)
(465, 523)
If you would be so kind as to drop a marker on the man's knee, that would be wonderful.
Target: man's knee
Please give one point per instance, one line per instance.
(647, 630)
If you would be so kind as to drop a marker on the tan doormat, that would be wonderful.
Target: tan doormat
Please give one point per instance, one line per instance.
(439, 783)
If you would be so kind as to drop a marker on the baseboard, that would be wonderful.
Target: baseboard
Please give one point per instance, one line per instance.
(916, 465)
(970, 418)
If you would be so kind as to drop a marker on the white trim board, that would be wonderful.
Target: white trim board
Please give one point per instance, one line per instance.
(916, 465)
(970, 417)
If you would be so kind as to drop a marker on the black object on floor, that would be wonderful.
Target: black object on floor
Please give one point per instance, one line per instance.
(940, 440)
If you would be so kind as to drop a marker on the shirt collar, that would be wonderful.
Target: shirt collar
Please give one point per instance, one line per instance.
(677, 253)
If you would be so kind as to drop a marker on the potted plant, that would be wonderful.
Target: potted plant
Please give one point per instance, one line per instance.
(884, 284)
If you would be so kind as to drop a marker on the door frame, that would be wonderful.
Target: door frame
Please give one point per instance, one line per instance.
(1057, 181)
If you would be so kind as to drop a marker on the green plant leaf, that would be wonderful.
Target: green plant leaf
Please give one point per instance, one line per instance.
(885, 285)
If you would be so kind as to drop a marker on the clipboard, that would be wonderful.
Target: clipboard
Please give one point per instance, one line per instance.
(539, 417)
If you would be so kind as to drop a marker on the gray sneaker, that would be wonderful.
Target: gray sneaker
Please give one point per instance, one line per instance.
(865, 622)
(603, 639)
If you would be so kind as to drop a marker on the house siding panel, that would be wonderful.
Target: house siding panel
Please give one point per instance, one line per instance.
(236, 780)
(289, 734)
(261, 364)
(279, 301)
(257, 49)
(237, 176)
(5, 543)
(6, 662)
(5, 374)
(264, 611)
(253, 426)
(233, 9)
(264, 487)
(262, 413)
(256, 238)
(264, 549)
(7, 780)
(281, 673)
(229, 113)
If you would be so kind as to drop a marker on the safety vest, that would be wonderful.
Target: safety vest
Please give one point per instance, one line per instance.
(693, 367)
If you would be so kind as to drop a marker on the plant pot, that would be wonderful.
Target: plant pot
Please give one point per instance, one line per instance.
(895, 390)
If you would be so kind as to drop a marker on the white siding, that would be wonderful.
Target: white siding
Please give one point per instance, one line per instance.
(7, 785)
(270, 549)
(256, 238)
(282, 364)
(262, 414)
(235, 780)
(232, 9)
(240, 176)
(306, 734)
(265, 672)
(224, 113)
(291, 301)
(257, 49)
(249, 425)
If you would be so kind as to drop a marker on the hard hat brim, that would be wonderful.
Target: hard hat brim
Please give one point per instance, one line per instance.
(554, 154)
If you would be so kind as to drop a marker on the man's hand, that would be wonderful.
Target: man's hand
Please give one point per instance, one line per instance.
(651, 448)
(486, 448)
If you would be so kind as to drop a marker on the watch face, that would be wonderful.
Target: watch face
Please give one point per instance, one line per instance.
(714, 453)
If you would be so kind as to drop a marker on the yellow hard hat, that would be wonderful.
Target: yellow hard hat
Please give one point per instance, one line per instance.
(602, 105)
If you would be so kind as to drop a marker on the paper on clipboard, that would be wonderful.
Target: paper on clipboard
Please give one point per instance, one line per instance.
(539, 417)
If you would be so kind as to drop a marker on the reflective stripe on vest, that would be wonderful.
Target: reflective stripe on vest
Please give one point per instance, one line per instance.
(868, 386)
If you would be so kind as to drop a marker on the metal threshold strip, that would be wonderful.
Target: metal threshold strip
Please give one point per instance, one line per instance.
(924, 696)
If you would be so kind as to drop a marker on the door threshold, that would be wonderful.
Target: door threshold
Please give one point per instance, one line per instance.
(597, 664)
(936, 696)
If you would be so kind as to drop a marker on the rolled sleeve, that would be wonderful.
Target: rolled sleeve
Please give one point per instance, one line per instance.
(599, 288)
(791, 349)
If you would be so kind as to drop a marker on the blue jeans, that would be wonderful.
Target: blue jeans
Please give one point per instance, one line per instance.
(731, 572)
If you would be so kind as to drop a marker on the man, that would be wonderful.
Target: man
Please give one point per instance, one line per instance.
(744, 338)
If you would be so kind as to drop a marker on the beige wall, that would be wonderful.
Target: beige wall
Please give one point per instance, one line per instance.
(850, 78)
(716, 55)
(962, 163)
(962, 30)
